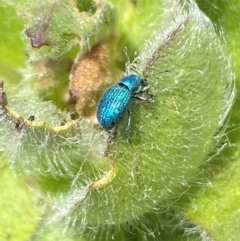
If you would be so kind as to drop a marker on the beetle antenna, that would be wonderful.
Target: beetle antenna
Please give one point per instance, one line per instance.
(128, 63)
(161, 72)
(130, 67)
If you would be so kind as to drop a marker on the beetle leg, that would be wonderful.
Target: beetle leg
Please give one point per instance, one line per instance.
(129, 121)
(145, 89)
(128, 126)
(139, 97)
(149, 99)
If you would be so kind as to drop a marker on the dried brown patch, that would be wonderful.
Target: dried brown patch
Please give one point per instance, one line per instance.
(89, 78)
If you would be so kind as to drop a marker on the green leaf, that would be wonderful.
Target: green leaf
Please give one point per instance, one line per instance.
(216, 208)
(137, 21)
(55, 27)
(172, 137)
(12, 57)
(20, 210)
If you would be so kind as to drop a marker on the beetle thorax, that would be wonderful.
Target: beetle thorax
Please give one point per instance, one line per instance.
(131, 82)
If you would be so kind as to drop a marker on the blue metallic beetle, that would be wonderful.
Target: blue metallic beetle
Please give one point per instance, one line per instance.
(115, 101)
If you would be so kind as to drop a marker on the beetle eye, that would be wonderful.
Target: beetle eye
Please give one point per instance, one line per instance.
(143, 82)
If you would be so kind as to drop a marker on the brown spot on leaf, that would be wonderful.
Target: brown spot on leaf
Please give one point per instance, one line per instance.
(38, 32)
(38, 36)
(89, 77)
(2, 95)
(20, 124)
